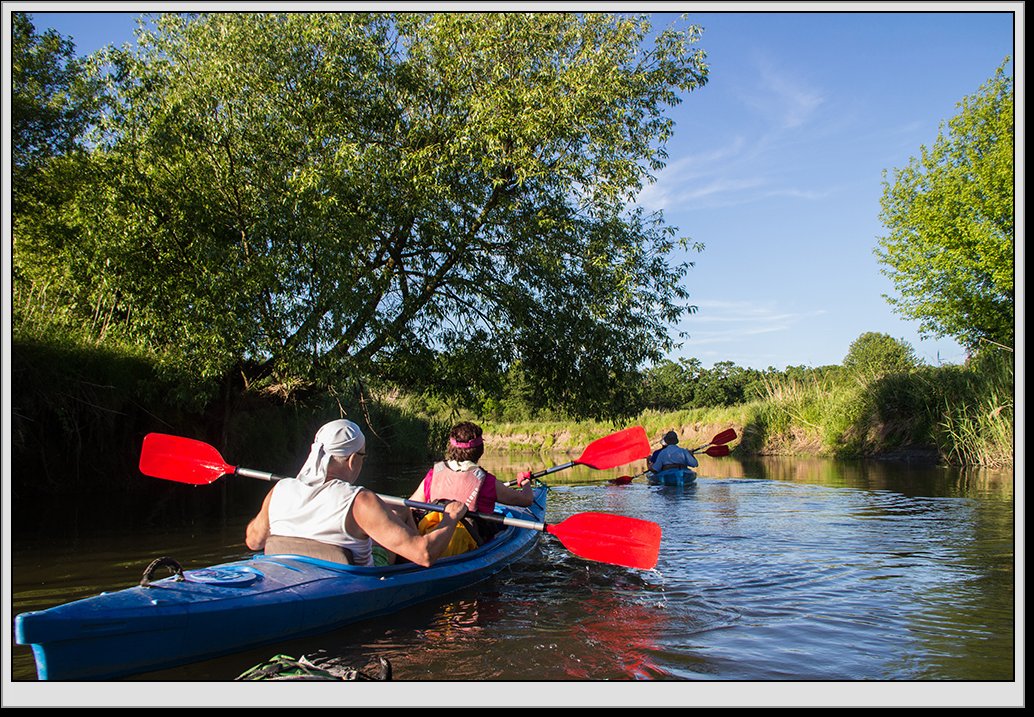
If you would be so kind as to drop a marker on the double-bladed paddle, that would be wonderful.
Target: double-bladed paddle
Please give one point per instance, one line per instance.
(722, 438)
(617, 449)
(602, 537)
(715, 448)
(626, 446)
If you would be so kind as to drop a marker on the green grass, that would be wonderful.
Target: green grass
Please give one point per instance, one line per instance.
(979, 430)
(962, 415)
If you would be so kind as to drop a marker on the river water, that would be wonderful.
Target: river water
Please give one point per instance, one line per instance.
(780, 581)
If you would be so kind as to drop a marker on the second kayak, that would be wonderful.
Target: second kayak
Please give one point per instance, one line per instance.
(672, 476)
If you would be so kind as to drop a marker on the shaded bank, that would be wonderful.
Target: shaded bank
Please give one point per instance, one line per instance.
(79, 414)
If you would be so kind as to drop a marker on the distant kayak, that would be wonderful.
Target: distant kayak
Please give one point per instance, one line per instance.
(194, 615)
(672, 476)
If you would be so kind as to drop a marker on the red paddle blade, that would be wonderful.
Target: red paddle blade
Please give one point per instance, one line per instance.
(621, 480)
(607, 538)
(718, 451)
(617, 449)
(183, 460)
(725, 436)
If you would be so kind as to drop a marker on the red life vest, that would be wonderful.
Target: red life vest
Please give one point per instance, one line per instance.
(465, 486)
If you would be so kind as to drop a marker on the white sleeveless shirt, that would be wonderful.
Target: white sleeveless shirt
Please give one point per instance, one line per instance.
(298, 510)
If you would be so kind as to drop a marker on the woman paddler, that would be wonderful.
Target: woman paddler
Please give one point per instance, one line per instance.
(459, 478)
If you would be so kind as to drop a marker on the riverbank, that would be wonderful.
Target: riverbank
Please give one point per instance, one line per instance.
(816, 425)
(79, 415)
(571, 439)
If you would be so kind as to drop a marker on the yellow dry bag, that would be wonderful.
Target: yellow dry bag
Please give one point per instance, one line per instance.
(461, 541)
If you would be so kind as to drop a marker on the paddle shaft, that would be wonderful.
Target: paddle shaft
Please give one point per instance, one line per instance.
(547, 471)
(261, 475)
(493, 517)
(624, 446)
(554, 469)
(701, 448)
(407, 503)
(603, 537)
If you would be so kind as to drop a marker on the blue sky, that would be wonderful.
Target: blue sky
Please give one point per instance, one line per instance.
(776, 164)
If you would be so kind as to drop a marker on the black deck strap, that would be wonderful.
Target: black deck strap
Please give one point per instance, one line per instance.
(163, 562)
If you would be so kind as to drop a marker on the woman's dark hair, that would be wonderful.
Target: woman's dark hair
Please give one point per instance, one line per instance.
(464, 432)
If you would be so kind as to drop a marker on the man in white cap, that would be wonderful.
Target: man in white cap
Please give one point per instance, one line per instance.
(322, 513)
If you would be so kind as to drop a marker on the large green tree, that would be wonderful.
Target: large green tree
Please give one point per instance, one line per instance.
(301, 196)
(949, 213)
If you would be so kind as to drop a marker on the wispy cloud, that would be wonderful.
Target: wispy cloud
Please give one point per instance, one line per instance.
(749, 166)
(707, 179)
(785, 98)
(726, 322)
(735, 175)
(728, 331)
(678, 187)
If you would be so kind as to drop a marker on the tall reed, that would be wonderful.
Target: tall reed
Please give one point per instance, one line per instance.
(977, 423)
(963, 413)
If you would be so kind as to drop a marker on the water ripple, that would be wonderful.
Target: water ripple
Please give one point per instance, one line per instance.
(757, 580)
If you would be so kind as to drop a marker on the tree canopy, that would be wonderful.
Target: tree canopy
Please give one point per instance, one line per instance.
(299, 197)
(875, 354)
(949, 212)
(49, 107)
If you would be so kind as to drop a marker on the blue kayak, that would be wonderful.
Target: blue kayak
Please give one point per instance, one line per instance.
(200, 614)
(672, 476)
